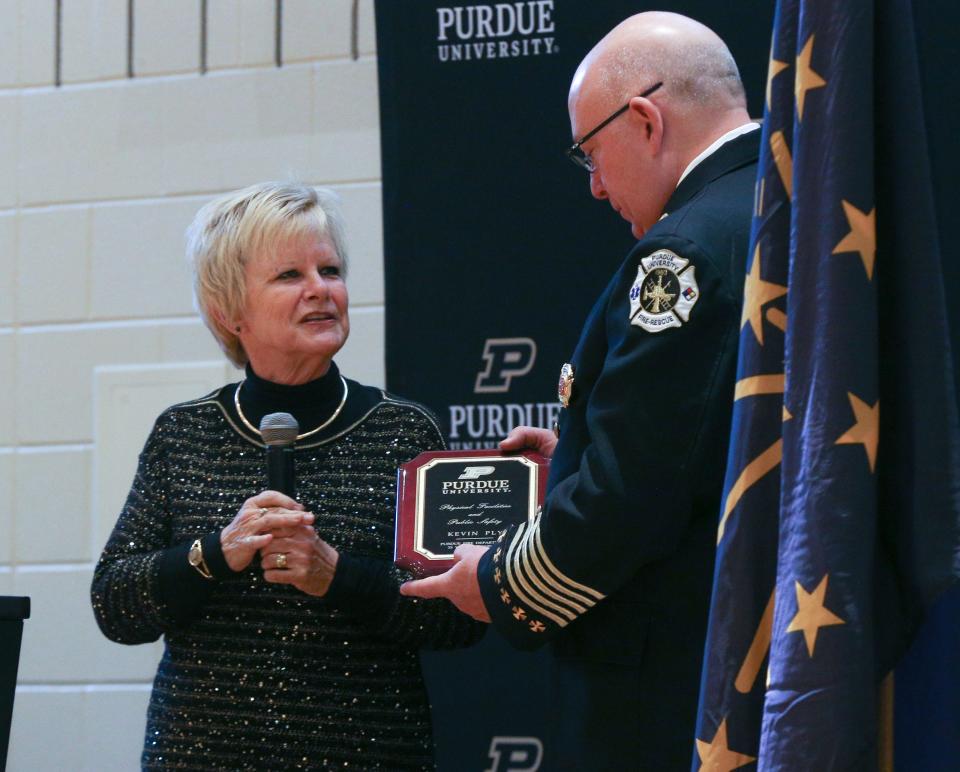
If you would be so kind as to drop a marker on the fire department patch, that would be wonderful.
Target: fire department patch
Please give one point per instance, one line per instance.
(664, 292)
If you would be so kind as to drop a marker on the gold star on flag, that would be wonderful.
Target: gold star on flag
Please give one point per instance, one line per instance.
(806, 78)
(519, 614)
(812, 614)
(497, 575)
(537, 626)
(715, 756)
(757, 293)
(862, 237)
(774, 69)
(505, 596)
(866, 430)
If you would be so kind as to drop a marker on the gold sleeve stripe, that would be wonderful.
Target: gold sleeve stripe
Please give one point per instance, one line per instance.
(533, 585)
(514, 584)
(536, 564)
(539, 576)
(564, 582)
(534, 599)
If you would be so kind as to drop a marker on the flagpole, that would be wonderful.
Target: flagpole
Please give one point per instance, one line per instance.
(885, 724)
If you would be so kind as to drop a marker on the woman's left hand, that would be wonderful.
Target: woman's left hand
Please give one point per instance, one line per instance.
(301, 558)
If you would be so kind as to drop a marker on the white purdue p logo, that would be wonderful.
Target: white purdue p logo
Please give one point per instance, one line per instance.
(515, 754)
(476, 472)
(506, 358)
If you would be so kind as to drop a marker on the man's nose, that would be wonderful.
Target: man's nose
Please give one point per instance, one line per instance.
(596, 186)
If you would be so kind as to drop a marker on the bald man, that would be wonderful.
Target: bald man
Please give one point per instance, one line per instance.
(616, 572)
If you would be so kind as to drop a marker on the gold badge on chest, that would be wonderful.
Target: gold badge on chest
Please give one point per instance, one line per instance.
(565, 386)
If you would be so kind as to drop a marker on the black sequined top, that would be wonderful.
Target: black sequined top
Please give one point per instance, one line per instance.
(257, 675)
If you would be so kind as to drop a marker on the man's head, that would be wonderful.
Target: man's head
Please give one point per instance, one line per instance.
(640, 155)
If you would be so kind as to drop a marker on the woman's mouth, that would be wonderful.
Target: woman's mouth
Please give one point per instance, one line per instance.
(317, 318)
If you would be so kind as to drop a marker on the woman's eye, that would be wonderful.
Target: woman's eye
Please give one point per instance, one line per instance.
(330, 270)
(291, 274)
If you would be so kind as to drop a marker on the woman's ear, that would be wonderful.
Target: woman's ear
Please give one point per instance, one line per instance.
(221, 319)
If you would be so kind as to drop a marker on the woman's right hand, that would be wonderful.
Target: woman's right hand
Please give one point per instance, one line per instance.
(254, 526)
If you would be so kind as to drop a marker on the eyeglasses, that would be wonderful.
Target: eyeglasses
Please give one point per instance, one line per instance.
(575, 151)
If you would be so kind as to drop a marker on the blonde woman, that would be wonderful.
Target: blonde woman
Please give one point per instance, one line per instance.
(287, 644)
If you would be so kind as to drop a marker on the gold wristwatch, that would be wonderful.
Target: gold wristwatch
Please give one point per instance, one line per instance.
(195, 558)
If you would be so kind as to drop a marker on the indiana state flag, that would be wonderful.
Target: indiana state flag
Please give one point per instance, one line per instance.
(840, 522)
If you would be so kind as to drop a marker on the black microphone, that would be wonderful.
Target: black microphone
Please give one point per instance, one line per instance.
(279, 431)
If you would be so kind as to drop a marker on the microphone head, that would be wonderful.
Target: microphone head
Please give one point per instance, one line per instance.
(279, 429)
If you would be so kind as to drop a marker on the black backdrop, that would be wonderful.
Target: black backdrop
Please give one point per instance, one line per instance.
(490, 233)
(927, 684)
(493, 245)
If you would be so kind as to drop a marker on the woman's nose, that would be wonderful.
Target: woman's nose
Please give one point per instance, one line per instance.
(317, 286)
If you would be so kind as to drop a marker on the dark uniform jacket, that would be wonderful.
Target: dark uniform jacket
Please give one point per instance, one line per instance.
(617, 571)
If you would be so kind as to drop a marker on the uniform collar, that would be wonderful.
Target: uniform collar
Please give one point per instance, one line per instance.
(733, 150)
(715, 145)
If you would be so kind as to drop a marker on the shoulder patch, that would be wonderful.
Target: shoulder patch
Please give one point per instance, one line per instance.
(664, 291)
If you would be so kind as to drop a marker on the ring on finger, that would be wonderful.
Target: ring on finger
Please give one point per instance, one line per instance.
(261, 512)
(281, 560)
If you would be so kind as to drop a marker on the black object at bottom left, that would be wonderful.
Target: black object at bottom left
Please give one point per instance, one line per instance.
(13, 610)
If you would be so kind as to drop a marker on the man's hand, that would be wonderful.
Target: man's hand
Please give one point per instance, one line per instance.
(521, 437)
(459, 585)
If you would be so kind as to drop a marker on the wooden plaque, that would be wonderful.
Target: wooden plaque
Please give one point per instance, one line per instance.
(450, 497)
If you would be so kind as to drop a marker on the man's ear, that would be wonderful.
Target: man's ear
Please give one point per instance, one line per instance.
(649, 119)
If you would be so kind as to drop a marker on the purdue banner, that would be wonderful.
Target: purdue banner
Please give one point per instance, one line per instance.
(494, 254)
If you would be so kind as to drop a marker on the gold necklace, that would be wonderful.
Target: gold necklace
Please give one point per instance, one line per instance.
(324, 425)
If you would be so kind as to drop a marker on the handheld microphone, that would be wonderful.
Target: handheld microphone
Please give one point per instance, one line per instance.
(279, 431)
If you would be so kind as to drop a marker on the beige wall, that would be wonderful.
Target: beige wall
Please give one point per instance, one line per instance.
(98, 179)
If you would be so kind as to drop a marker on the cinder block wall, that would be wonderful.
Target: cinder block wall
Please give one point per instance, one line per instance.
(118, 120)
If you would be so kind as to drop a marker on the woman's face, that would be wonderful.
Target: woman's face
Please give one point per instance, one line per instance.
(295, 313)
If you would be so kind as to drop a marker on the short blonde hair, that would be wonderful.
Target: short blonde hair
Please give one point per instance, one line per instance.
(236, 227)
